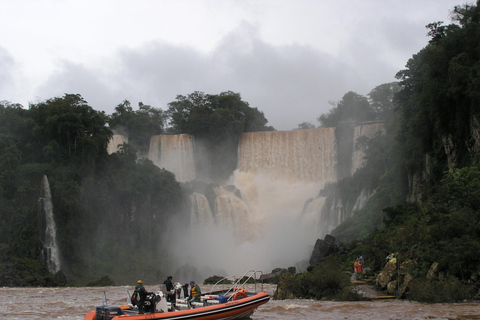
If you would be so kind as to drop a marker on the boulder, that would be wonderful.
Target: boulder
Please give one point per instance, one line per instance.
(322, 248)
(386, 275)
(392, 287)
(282, 292)
(61, 278)
(405, 285)
(407, 266)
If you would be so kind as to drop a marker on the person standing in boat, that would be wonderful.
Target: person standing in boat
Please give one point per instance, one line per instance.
(141, 295)
(169, 286)
(185, 291)
(195, 292)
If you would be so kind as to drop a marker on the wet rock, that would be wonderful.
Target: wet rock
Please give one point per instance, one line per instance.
(407, 266)
(387, 274)
(282, 292)
(405, 285)
(392, 287)
(433, 271)
(322, 248)
(61, 278)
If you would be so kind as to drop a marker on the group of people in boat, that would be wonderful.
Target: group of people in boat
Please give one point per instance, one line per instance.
(172, 292)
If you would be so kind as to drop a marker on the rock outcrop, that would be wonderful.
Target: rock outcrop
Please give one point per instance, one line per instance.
(396, 277)
(322, 248)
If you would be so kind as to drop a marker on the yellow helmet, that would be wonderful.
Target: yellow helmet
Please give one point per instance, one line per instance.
(140, 282)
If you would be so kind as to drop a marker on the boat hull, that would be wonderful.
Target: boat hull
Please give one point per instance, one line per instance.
(238, 309)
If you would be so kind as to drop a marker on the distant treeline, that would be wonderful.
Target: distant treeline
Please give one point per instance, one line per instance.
(109, 209)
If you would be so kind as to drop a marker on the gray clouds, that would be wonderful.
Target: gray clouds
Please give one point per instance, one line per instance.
(287, 58)
(6, 74)
(290, 84)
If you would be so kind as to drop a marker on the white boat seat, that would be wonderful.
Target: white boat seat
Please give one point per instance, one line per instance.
(197, 304)
(182, 306)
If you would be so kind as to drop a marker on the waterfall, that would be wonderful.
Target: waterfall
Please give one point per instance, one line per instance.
(296, 156)
(117, 139)
(201, 213)
(175, 154)
(283, 199)
(277, 173)
(47, 229)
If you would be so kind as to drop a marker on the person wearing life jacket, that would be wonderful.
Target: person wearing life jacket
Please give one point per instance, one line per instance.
(355, 266)
(141, 295)
(195, 292)
(359, 264)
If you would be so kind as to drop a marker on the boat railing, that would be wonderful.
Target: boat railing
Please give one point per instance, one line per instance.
(236, 284)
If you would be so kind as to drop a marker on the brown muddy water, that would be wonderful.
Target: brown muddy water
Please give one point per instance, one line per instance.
(74, 303)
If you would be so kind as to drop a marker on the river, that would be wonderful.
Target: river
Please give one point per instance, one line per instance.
(74, 303)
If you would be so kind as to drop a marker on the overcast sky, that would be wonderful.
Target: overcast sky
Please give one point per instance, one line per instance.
(288, 58)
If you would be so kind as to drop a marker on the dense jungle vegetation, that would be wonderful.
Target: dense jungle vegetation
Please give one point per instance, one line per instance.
(109, 209)
(423, 172)
(424, 168)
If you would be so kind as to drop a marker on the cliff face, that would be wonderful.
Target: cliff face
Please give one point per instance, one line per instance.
(284, 184)
(452, 155)
(278, 171)
(281, 172)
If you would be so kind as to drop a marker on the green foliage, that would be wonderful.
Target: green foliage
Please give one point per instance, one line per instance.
(102, 282)
(109, 209)
(353, 108)
(140, 125)
(439, 94)
(441, 290)
(216, 122)
(444, 229)
(191, 114)
(214, 279)
(382, 100)
(305, 125)
(325, 281)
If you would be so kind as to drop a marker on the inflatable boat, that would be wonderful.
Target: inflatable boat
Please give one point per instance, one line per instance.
(233, 302)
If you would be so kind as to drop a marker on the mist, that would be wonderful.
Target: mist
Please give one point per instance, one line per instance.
(258, 219)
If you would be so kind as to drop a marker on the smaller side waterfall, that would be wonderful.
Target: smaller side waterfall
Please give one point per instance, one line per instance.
(116, 141)
(47, 229)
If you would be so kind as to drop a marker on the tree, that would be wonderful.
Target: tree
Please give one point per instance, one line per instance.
(381, 100)
(440, 91)
(78, 130)
(306, 125)
(216, 122)
(353, 108)
(189, 114)
(139, 125)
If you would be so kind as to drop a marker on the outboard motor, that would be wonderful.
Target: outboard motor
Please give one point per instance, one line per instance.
(107, 312)
(151, 302)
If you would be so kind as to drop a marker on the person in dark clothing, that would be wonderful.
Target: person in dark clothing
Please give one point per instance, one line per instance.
(185, 290)
(141, 296)
(170, 290)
